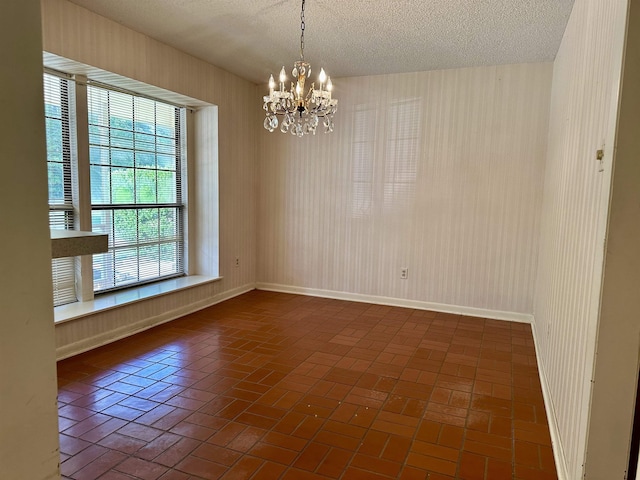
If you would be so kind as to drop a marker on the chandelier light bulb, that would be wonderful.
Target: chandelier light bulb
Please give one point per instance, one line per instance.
(322, 77)
(329, 84)
(283, 76)
(272, 83)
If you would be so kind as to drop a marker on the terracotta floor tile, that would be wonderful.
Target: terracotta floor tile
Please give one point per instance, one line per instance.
(527, 454)
(429, 431)
(201, 468)
(141, 469)
(246, 440)
(192, 430)
(334, 463)
(216, 454)
(101, 431)
(122, 443)
(175, 475)
(81, 459)
(488, 439)
(337, 440)
(397, 448)
(273, 453)
(88, 424)
(243, 469)
(437, 451)
(141, 432)
(498, 470)
(311, 456)
(376, 465)
(412, 473)
(525, 473)
(171, 419)
(270, 386)
(472, 466)
(100, 465)
(71, 445)
(357, 474)
(155, 414)
(75, 413)
(295, 474)
(256, 420)
(374, 443)
(227, 433)
(269, 471)
(110, 475)
(285, 441)
(176, 452)
(431, 464)
(151, 450)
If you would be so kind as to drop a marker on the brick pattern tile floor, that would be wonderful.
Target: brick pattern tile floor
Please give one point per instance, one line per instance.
(277, 386)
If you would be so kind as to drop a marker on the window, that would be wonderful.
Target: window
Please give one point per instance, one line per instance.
(134, 170)
(61, 213)
(135, 165)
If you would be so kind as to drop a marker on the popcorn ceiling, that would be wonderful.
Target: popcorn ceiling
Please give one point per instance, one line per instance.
(253, 38)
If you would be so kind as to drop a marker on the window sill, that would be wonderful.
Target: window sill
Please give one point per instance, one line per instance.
(108, 301)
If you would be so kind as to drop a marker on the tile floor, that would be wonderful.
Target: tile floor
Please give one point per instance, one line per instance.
(276, 386)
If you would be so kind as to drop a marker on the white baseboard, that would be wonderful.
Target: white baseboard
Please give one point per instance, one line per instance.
(554, 430)
(399, 302)
(105, 338)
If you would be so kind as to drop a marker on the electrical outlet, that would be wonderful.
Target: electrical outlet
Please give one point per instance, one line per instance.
(404, 273)
(237, 261)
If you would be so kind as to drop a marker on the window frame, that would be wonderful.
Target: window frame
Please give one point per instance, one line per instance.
(77, 166)
(108, 142)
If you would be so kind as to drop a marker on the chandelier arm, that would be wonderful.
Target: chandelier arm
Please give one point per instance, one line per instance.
(302, 26)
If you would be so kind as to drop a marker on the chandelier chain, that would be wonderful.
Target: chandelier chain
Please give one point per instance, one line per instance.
(302, 25)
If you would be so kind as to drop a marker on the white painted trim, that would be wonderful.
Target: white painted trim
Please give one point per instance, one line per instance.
(121, 298)
(554, 429)
(96, 341)
(399, 302)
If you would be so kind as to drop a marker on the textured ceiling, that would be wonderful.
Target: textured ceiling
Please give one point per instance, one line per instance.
(253, 38)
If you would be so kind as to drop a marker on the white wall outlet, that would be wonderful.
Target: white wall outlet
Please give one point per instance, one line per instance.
(237, 261)
(404, 273)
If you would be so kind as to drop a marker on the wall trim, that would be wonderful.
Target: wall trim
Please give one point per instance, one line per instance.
(399, 302)
(552, 420)
(105, 338)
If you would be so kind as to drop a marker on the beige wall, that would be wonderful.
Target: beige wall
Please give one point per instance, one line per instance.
(618, 342)
(566, 307)
(28, 409)
(80, 35)
(440, 172)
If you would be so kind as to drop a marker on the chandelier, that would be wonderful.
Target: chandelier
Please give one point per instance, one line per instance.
(301, 111)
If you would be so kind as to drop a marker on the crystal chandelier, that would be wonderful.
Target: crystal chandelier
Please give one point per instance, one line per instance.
(301, 111)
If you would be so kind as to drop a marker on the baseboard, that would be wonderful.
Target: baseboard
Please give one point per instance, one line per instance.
(399, 302)
(105, 338)
(554, 430)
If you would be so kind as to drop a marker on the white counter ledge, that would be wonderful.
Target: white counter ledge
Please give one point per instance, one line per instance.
(70, 243)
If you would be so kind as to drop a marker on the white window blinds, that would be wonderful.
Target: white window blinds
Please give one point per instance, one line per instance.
(57, 120)
(135, 163)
